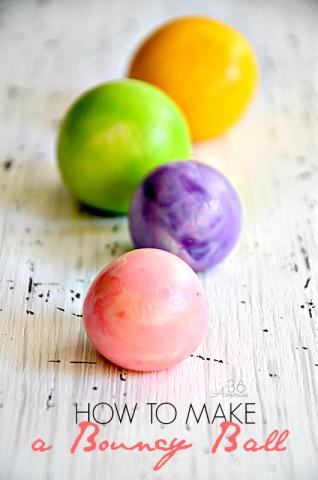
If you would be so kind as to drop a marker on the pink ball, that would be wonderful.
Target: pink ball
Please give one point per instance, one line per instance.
(145, 311)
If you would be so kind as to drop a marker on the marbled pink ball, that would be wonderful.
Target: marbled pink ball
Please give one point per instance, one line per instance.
(146, 311)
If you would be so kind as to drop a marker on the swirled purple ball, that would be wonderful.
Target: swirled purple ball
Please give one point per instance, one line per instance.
(189, 209)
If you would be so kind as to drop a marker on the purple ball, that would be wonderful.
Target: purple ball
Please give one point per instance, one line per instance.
(189, 209)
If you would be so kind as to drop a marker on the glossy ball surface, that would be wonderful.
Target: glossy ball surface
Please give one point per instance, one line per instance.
(113, 136)
(146, 311)
(206, 66)
(189, 209)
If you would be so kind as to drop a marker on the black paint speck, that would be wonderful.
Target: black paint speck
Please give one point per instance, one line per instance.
(30, 312)
(306, 257)
(307, 283)
(206, 358)
(30, 285)
(48, 402)
(265, 330)
(7, 164)
(83, 362)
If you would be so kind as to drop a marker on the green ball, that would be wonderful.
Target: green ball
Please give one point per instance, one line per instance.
(113, 136)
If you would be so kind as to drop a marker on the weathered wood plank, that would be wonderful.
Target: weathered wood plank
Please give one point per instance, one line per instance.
(263, 327)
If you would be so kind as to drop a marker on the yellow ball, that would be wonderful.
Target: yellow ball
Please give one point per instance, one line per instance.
(206, 66)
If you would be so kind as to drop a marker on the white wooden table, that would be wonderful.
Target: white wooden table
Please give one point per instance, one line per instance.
(263, 325)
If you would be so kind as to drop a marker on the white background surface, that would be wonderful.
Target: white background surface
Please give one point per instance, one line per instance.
(50, 51)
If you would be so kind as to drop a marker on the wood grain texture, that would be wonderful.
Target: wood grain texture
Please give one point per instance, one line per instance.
(263, 325)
